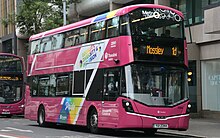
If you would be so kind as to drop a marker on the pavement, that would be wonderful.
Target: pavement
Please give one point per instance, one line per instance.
(199, 127)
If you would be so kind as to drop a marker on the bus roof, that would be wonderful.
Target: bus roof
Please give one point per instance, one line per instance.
(101, 17)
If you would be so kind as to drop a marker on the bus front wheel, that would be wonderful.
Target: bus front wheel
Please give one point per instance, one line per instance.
(93, 121)
(41, 116)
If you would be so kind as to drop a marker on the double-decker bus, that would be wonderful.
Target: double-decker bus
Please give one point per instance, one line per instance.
(125, 69)
(12, 86)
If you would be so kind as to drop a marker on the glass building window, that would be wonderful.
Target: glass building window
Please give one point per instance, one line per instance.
(211, 85)
(192, 10)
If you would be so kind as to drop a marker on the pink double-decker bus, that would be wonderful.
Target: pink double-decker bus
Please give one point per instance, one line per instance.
(12, 88)
(125, 69)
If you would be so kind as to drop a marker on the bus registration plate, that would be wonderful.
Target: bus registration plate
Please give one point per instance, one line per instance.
(6, 113)
(160, 125)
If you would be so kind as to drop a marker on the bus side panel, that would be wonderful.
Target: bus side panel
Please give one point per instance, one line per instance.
(52, 108)
(118, 52)
(126, 50)
(31, 106)
(53, 62)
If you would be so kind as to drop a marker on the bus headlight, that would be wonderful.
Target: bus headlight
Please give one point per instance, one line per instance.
(188, 108)
(21, 106)
(127, 106)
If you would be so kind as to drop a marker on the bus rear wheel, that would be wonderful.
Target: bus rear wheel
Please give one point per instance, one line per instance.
(93, 121)
(41, 116)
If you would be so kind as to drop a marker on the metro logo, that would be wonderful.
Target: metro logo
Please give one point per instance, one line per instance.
(154, 51)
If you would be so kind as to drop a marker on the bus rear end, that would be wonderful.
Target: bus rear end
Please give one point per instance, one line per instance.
(11, 85)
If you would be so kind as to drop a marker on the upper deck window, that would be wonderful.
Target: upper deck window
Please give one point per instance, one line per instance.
(57, 41)
(72, 38)
(97, 31)
(124, 25)
(112, 27)
(83, 38)
(156, 23)
(45, 44)
(35, 47)
(10, 64)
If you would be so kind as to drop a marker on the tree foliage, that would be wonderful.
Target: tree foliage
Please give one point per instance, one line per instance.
(35, 16)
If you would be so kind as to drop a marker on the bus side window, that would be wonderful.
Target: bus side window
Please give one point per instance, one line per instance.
(83, 35)
(72, 38)
(68, 39)
(112, 27)
(44, 86)
(52, 85)
(57, 41)
(124, 25)
(79, 80)
(102, 30)
(35, 47)
(93, 35)
(76, 34)
(111, 84)
(62, 85)
(97, 31)
(46, 44)
(34, 86)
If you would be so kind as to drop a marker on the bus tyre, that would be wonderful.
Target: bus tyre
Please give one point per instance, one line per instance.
(41, 116)
(93, 121)
(150, 132)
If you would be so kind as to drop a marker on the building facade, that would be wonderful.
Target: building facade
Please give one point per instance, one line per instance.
(9, 42)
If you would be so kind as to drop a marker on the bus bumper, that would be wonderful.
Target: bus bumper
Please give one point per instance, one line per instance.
(136, 121)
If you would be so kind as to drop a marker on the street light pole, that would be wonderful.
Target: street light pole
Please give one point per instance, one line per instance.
(64, 12)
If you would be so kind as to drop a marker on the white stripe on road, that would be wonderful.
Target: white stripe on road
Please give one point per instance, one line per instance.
(5, 130)
(21, 130)
(7, 136)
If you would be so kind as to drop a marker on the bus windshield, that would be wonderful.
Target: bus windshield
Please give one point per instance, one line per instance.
(157, 86)
(11, 79)
(10, 64)
(157, 35)
(156, 23)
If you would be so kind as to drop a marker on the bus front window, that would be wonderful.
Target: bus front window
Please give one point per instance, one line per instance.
(157, 86)
(9, 93)
(11, 79)
(156, 23)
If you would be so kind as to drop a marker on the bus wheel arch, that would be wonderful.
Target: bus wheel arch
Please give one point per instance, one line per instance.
(92, 120)
(41, 115)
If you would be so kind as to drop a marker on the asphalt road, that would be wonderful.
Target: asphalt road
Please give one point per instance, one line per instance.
(18, 127)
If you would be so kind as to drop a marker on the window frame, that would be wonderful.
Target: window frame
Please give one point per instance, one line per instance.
(67, 77)
(118, 27)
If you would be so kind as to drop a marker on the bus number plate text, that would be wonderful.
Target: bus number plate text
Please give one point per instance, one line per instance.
(5, 113)
(160, 125)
